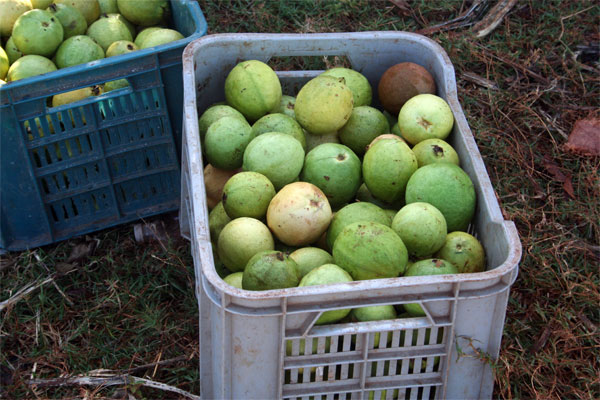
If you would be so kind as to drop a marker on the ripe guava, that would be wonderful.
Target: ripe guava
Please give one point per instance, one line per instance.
(75, 95)
(144, 34)
(116, 84)
(286, 106)
(106, 31)
(364, 125)
(323, 105)
(72, 21)
(327, 274)
(421, 227)
(278, 122)
(214, 181)
(309, 258)
(37, 32)
(448, 188)
(354, 212)
(431, 266)
(313, 141)
(386, 136)
(160, 36)
(359, 85)
(274, 154)
(234, 279)
(217, 219)
(108, 6)
(90, 9)
(270, 270)
(3, 64)
(11, 10)
(464, 251)
(425, 116)
(241, 239)
(77, 50)
(334, 169)
(387, 167)
(27, 66)
(299, 214)
(431, 151)
(375, 313)
(226, 141)
(12, 51)
(402, 81)
(120, 47)
(145, 13)
(124, 20)
(370, 250)
(247, 194)
(252, 88)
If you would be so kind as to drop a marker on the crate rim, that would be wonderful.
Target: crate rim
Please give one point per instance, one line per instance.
(509, 265)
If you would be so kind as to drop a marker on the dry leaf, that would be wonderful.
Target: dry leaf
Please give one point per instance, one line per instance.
(559, 176)
(585, 137)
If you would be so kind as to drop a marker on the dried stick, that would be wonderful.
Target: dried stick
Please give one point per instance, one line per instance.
(24, 291)
(493, 18)
(103, 379)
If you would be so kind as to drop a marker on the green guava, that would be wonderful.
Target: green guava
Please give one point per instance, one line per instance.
(72, 21)
(323, 105)
(355, 212)
(106, 31)
(334, 169)
(108, 6)
(145, 13)
(77, 50)
(448, 188)
(234, 279)
(270, 270)
(464, 251)
(220, 268)
(226, 141)
(313, 141)
(37, 32)
(396, 130)
(391, 119)
(387, 166)
(327, 274)
(391, 213)
(116, 84)
(252, 88)
(431, 151)
(370, 250)
(12, 51)
(286, 106)
(247, 194)
(421, 227)
(375, 313)
(431, 266)
(241, 239)
(3, 64)
(364, 125)
(274, 154)
(124, 20)
(90, 9)
(120, 47)
(75, 95)
(160, 36)
(217, 219)
(364, 195)
(425, 116)
(278, 122)
(28, 66)
(214, 113)
(11, 11)
(362, 92)
(309, 258)
(144, 34)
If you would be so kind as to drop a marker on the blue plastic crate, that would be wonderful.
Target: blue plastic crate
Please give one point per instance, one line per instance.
(99, 162)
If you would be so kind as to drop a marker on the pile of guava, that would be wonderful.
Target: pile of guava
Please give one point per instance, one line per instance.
(325, 187)
(41, 36)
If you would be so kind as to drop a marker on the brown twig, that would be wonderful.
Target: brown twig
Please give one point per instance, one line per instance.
(24, 291)
(493, 18)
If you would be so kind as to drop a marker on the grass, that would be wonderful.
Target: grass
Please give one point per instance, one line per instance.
(129, 304)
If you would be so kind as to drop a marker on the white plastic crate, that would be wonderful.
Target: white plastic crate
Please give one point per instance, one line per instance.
(243, 334)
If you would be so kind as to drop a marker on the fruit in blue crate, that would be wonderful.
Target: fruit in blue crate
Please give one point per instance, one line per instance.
(323, 105)
(425, 116)
(364, 125)
(240, 240)
(77, 50)
(90, 9)
(28, 66)
(75, 95)
(12, 51)
(354, 212)
(37, 32)
(11, 10)
(119, 17)
(324, 275)
(120, 47)
(335, 169)
(116, 84)
(270, 270)
(447, 187)
(422, 228)
(278, 122)
(106, 31)
(299, 214)
(401, 82)
(252, 88)
(3, 63)
(145, 13)
(72, 21)
(464, 251)
(431, 151)
(431, 266)
(247, 194)
(160, 36)
(143, 34)
(309, 258)
(369, 250)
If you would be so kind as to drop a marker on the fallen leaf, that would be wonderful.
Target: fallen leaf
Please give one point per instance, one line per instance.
(585, 137)
(81, 251)
(559, 176)
(402, 5)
